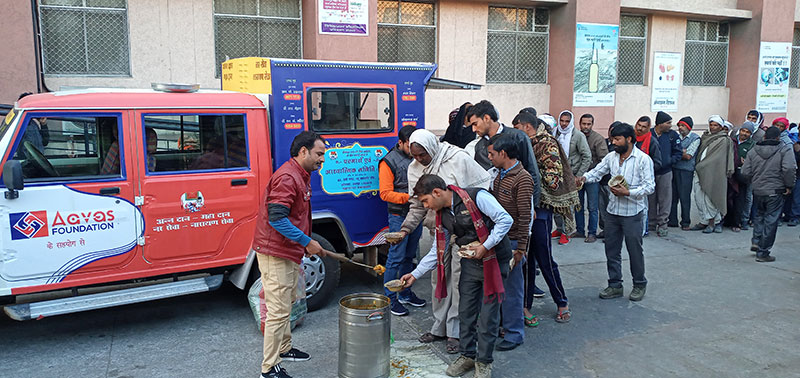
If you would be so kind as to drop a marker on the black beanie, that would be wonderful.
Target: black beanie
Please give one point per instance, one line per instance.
(687, 121)
(662, 117)
(772, 133)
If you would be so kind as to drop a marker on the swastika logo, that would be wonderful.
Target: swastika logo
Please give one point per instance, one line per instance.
(28, 225)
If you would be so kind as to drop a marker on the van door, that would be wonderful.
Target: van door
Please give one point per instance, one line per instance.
(199, 187)
(75, 220)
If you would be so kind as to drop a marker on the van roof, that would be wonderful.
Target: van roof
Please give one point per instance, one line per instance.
(115, 98)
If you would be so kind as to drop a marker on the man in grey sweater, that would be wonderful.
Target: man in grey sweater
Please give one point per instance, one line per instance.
(770, 167)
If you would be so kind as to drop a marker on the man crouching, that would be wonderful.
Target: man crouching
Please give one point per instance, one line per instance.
(472, 215)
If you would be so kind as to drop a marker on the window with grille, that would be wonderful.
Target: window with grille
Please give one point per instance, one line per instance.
(794, 70)
(266, 28)
(517, 44)
(632, 49)
(85, 37)
(406, 31)
(706, 57)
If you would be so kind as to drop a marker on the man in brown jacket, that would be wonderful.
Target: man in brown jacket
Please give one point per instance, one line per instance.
(599, 149)
(513, 188)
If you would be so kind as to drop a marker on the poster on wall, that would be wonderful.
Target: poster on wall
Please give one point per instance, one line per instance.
(774, 60)
(666, 81)
(348, 17)
(595, 65)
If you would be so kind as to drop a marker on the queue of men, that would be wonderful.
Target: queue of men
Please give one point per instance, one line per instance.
(491, 205)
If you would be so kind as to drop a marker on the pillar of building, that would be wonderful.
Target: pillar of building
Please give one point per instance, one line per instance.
(341, 47)
(772, 21)
(561, 64)
(18, 71)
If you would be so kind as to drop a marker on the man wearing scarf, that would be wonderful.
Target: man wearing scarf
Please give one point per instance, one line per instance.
(471, 215)
(455, 167)
(559, 195)
(738, 187)
(757, 119)
(647, 143)
(682, 174)
(458, 133)
(577, 151)
(714, 165)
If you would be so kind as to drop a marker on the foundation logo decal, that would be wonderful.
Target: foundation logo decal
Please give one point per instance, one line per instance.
(28, 225)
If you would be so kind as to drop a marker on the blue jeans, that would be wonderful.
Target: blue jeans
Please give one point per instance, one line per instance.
(513, 317)
(796, 199)
(400, 260)
(540, 250)
(591, 192)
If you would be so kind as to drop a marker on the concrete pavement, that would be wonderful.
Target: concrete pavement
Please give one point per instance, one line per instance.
(710, 310)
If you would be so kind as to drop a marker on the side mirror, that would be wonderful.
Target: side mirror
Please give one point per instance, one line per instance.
(12, 178)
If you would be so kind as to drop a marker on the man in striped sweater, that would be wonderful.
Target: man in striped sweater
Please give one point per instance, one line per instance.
(513, 188)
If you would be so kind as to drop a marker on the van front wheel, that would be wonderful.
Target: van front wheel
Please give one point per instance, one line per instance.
(322, 276)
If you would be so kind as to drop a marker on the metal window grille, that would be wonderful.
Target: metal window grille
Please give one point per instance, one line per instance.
(794, 70)
(517, 45)
(632, 49)
(85, 37)
(268, 28)
(406, 31)
(706, 57)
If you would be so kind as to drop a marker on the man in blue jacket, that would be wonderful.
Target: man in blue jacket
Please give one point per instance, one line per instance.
(660, 202)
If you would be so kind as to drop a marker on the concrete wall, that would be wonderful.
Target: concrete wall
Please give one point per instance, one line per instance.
(462, 29)
(668, 34)
(171, 41)
(17, 54)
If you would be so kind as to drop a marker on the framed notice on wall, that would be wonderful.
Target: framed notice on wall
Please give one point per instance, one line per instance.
(666, 81)
(344, 17)
(774, 61)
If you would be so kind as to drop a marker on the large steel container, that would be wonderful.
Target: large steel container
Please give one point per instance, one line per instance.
(364, 332)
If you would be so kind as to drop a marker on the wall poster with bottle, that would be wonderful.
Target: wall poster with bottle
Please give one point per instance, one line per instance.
(595, 64)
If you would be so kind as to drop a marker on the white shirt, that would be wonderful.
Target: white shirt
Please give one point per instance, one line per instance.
(487, 205)
(638, 172)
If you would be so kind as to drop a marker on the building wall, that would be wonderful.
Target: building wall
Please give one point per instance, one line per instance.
(170, 41)
(668, 34)
(17, 54)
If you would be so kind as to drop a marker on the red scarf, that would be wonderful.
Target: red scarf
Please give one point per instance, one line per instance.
(492, 280)
(645, 141)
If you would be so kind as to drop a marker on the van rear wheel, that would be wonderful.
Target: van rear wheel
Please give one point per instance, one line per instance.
(322, 276)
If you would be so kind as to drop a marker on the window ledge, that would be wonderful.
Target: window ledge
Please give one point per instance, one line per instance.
(679, 8)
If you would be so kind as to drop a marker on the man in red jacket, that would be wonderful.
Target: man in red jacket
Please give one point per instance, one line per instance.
(280, 242)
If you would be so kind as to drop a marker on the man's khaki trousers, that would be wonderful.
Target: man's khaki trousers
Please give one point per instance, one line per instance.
(279, 277)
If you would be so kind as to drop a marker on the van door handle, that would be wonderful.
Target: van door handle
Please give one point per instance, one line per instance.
(111, 190)
(238, 182)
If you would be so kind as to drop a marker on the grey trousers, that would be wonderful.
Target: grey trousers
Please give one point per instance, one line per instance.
(445, 312)
(660, 202)
(765, 222)
(629, 228)
(480, 322)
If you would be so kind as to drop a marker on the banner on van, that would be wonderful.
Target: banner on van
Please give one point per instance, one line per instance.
(351, 169)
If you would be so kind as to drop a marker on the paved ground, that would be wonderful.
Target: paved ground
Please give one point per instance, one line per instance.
(710, 310)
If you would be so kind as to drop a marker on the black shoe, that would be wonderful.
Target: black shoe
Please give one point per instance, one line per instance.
(295, 355)
(276, 372)
(537, 292)
(412, 300)
(506, 345)
(765, 258)
(398, 309)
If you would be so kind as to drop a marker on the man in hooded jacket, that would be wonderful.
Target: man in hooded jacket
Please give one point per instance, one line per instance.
(771, 167)
(579, 155)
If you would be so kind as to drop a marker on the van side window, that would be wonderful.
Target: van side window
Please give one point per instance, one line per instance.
(350, 110)
(195, 142)
(74, 147)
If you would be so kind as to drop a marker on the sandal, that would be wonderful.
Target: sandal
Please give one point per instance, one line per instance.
(563, 316)
(429, 338)
(531, 321)
(452, 345)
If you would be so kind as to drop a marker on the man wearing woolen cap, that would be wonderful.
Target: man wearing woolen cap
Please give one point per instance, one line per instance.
(670, 150)
(683, 173)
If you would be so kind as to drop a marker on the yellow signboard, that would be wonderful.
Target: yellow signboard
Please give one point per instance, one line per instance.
(250, 75)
